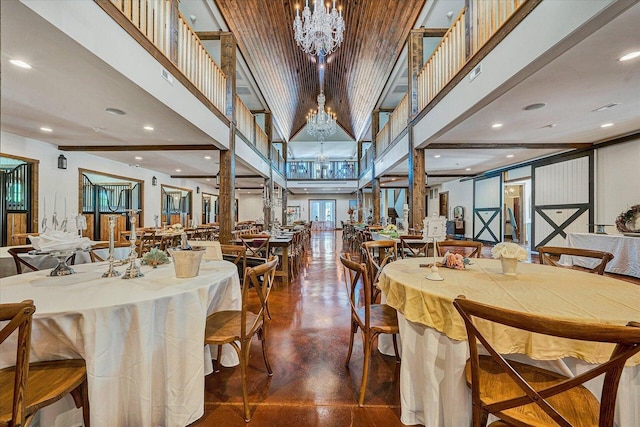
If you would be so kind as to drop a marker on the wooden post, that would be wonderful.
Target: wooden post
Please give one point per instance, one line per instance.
(228, 66)
(417, 181)
(174, 27)
(227, 189)
(416, 61)
(375, 196)
(266, 211)
(360, 196)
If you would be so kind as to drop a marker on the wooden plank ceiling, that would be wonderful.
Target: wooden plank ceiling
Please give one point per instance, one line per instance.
(355, 75)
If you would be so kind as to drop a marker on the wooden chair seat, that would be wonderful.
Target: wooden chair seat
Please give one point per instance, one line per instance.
(224, 326)
(383, 318)
(577, 405)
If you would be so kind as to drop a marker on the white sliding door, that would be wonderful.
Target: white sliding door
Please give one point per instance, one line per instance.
(562, 199)
(487, 209)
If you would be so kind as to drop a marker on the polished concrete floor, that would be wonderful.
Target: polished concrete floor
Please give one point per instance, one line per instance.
(307, 344)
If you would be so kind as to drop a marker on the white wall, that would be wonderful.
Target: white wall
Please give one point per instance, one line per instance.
(61, 184)
(460, 194)
(250, 207)
(617, 181)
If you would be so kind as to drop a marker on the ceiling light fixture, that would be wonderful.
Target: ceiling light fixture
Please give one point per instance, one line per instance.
(437, 156)
(496, 125)
(147, 127)
(536, 106)
(321, 124)
(178, 170)
(321, 32)
(605, 107)
(606, 125)
(207, 157)
(321, 158)
(20, 64)
(45, 129)
(468, 169)
(138, 158)
(509, 156)
(629, 56)
(115, 111)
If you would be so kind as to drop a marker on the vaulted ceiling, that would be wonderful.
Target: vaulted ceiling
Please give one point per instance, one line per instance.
(355, 75)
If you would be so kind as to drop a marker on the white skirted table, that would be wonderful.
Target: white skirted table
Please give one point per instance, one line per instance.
(142, 338)
(625, 249)
(433, 345)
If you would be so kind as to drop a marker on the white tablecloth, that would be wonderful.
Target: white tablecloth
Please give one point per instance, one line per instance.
(625, 249)
(142, 338)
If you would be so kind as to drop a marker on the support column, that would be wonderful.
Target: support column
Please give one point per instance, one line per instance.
(227, 189)
(375, 196)
(174, 16)
(416, 61)
(285, 198)
(417, 181)
(266, 195)
(360, 196)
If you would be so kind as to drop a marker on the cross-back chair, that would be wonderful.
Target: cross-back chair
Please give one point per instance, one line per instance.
(467, 248)
(551, 255)
(413, 246)
(238, 328)
(236, 254)
(18, 258)
(101, 246)
(257, 245)
(521, 394)
(371, 319)
(25, 387)
(377, 254)
(146, 241)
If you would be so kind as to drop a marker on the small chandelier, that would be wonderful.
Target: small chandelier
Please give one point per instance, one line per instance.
(321, 124)
(321, 32)
(321, 158)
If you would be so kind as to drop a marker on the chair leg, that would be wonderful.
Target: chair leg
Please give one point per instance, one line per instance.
(354, 329)
(244, 364)
(367, 341)
(80, 397)
(216, 367)
(262, 336)
(395, 348)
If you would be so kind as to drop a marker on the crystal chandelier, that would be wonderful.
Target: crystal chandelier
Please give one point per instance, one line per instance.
(318, 33)
(321, 158)
(321, 124)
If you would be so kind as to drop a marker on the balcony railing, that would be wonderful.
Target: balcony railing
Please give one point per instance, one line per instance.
(154, 20)
(249, 128)
(487, 18)
(331, 170)
(397, 123)
(277, 161)
(367, 159)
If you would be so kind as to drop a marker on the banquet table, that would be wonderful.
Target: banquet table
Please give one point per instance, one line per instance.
(625, 249)
(282, 242)
(433, 338)
(142, 338)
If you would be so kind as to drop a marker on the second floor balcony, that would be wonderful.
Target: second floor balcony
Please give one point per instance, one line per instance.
(328, 170)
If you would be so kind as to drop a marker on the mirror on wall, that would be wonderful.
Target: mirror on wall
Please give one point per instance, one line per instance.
(104, 195)
(176, 206)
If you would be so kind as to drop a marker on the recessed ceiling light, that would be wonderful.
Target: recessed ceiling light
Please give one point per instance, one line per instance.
(178, 170)
(606, 125)
(304, 189)
(207, 157)
(208, 179)
(536, 106)
(605, 107)
(115, 111)
(437, 156)
(468, 169)
(509, 156)
(138, 158)
(46, 129)
(147, 127)
(630, 55)
(496, 125)
(392, 179)
(20, 64)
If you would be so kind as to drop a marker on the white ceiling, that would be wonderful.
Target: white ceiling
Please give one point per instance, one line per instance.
(69, 89)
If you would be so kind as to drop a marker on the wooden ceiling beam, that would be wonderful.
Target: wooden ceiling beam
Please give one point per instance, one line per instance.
(174, 147)
(507, 146)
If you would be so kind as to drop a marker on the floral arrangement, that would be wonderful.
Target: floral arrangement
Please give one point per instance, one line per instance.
(177, 227)
(627, 219)
(509, 250)
(456, 261)
(155, 257)
(390, 230)
(350, 211)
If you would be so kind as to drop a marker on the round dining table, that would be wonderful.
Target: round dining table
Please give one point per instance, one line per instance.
(142, 338)
(433, 345)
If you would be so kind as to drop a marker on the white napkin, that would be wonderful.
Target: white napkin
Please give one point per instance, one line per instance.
(55, 240)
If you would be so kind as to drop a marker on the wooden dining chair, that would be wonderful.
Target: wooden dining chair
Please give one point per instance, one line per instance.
(520, 394)
(238, 328)
(412, 246)
(101, 246)
(466, 248)
(550, 255)
(236, 254)
(18, 258)
(257, 245)
(146, 241)
(25, 387)
(371, 319)
(377, 254)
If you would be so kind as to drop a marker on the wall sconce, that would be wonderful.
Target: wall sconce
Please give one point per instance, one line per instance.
(198, 190)
(218, 180)
(154, 181)
(62, 162)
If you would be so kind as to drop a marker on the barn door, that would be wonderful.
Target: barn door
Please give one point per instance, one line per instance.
(562, 199)
(487, 209)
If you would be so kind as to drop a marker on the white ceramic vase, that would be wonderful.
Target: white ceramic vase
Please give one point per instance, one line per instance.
(509, 266)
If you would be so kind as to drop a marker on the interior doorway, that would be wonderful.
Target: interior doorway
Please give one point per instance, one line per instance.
(517, 211)
(323, 213)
